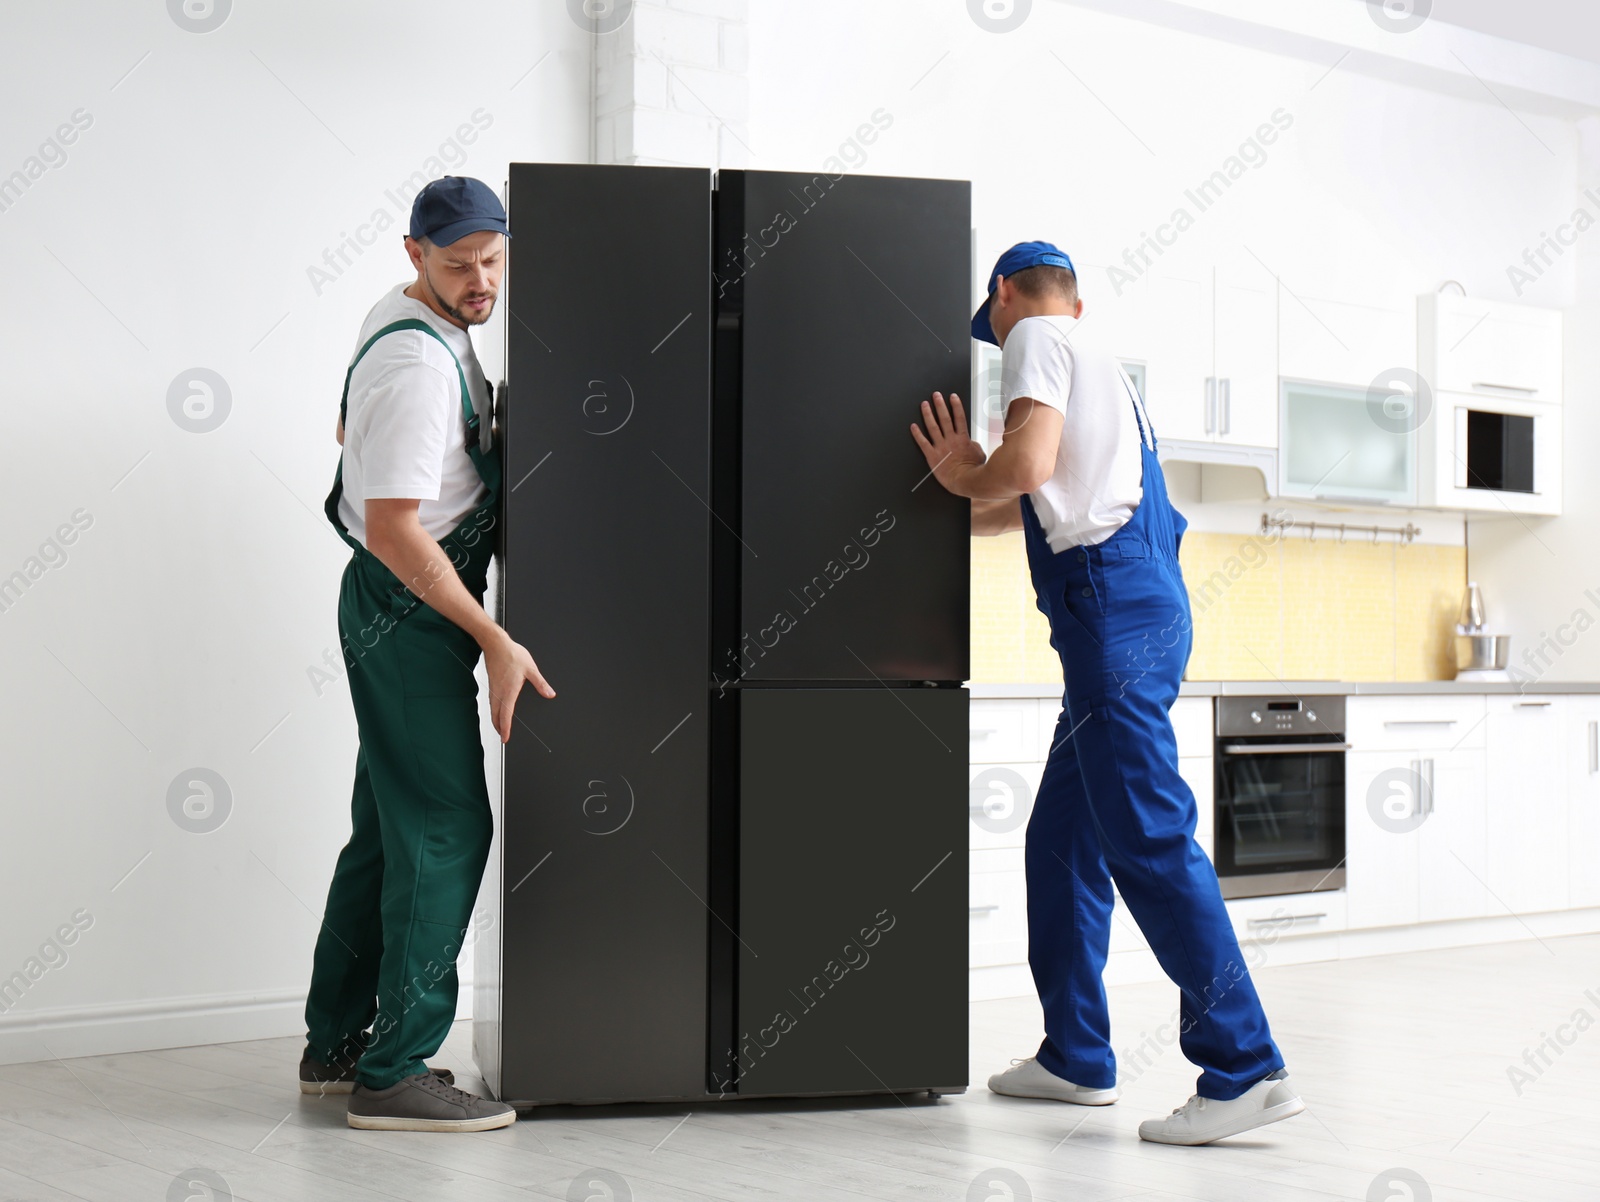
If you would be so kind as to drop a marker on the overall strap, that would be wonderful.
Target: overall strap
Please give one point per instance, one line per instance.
(416, 323)
(488, 467)
(1147, 430)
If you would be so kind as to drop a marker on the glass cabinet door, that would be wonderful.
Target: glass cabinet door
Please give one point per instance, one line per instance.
(1345, 443)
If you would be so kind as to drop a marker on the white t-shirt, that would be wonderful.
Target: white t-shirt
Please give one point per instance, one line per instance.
(1096, 484)
(404, 432)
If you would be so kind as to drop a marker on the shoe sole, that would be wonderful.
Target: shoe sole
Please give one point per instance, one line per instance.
(1089, 1097)
(374, 1122)
(1273, 1114)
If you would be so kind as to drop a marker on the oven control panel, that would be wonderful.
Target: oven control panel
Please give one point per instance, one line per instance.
(1280, 715)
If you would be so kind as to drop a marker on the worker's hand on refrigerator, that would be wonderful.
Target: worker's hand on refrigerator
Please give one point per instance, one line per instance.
(510, 667)
(947, 447)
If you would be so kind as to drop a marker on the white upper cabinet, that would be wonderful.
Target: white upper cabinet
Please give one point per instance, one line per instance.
(1346, 342)
(1490, 440)
(1490, 348)
(1178, 356)
(1245, 320)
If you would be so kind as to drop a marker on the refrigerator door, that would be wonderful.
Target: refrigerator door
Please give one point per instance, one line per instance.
(606, 570)
(843, 303)
(852, 912)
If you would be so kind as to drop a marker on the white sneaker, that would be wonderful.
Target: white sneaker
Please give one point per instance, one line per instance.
(1030, 1079)
(1201, 1120)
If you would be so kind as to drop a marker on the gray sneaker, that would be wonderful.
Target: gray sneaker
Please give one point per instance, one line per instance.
(425, 1103)
(321, 1079)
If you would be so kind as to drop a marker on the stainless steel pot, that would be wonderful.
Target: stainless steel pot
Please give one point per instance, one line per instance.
(1482, 652)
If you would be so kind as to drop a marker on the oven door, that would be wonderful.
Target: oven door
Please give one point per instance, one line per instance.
(1279, 815)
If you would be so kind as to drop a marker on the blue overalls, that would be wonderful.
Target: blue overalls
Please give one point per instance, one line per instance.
(1112, 807)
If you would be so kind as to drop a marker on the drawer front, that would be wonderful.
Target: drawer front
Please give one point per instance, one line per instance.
(997, 919)
(1432, 722)
(1268, 919)
(1194, 722)
(999, 802)
(1003, 730)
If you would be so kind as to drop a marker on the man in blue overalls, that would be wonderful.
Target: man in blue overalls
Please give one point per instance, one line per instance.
(1102, 543)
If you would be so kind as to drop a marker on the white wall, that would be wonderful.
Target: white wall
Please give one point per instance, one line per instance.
(215, 169)
(218, 167)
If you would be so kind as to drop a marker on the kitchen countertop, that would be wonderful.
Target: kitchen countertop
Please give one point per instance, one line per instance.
(1300, 688)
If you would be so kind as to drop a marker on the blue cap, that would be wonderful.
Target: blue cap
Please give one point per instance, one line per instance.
(453, 206)
(1019, 258)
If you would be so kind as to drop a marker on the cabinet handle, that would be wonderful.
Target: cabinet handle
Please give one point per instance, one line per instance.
(1419, 722)
(1284, 920)
(981, 909)
(1211, 404)
(1281, 748)
(1505, 387)
(1530, 705)
(1428, 785)
(1594, 746)
(984, 731)
(1225, 405)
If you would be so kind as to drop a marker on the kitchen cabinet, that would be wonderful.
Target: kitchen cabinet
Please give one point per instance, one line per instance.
(1245, 368)
(1491, 439)
(1011, 739)
(1343, 342)
(1000, 802)
(1178, 354)
(1421, 858)
(1213, 361)
(997, 909)
(1416, 805)
(1583, 800)
(1452, 843)
(1331, 448)
(1527, 826)
(1490, 348)
(1382, 864)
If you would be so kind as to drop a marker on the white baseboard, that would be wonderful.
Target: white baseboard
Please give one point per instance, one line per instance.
(1136, 966)
(27, 1036)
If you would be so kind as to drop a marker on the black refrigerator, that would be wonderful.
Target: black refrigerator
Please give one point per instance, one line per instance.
(732, 852)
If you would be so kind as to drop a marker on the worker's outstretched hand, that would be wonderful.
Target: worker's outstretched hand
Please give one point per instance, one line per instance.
(510, 667)
(949, 450)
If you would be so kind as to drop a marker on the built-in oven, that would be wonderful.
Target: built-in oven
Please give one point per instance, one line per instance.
(1279, 805)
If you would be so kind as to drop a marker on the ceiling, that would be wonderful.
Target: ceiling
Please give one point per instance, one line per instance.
(1565, 26)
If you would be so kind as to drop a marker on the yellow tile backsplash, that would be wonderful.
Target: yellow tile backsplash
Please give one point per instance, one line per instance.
(1265, 607)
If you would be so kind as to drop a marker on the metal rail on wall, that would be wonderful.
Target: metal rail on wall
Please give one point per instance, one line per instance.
(1403, 534)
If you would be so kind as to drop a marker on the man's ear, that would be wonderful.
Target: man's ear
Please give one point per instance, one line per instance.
(1077, 309)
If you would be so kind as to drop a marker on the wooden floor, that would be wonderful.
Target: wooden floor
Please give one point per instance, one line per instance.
(1402, 1060)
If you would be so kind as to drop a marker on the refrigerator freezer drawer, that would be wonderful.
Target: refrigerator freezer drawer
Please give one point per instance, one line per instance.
(852, 905)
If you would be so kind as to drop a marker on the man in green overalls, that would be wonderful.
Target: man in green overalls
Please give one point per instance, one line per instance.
(417, 497)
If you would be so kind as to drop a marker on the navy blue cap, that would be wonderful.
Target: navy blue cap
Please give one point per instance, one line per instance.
(453, 206)
(1019, 258)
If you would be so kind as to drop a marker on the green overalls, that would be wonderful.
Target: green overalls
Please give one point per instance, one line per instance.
(405, 883)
